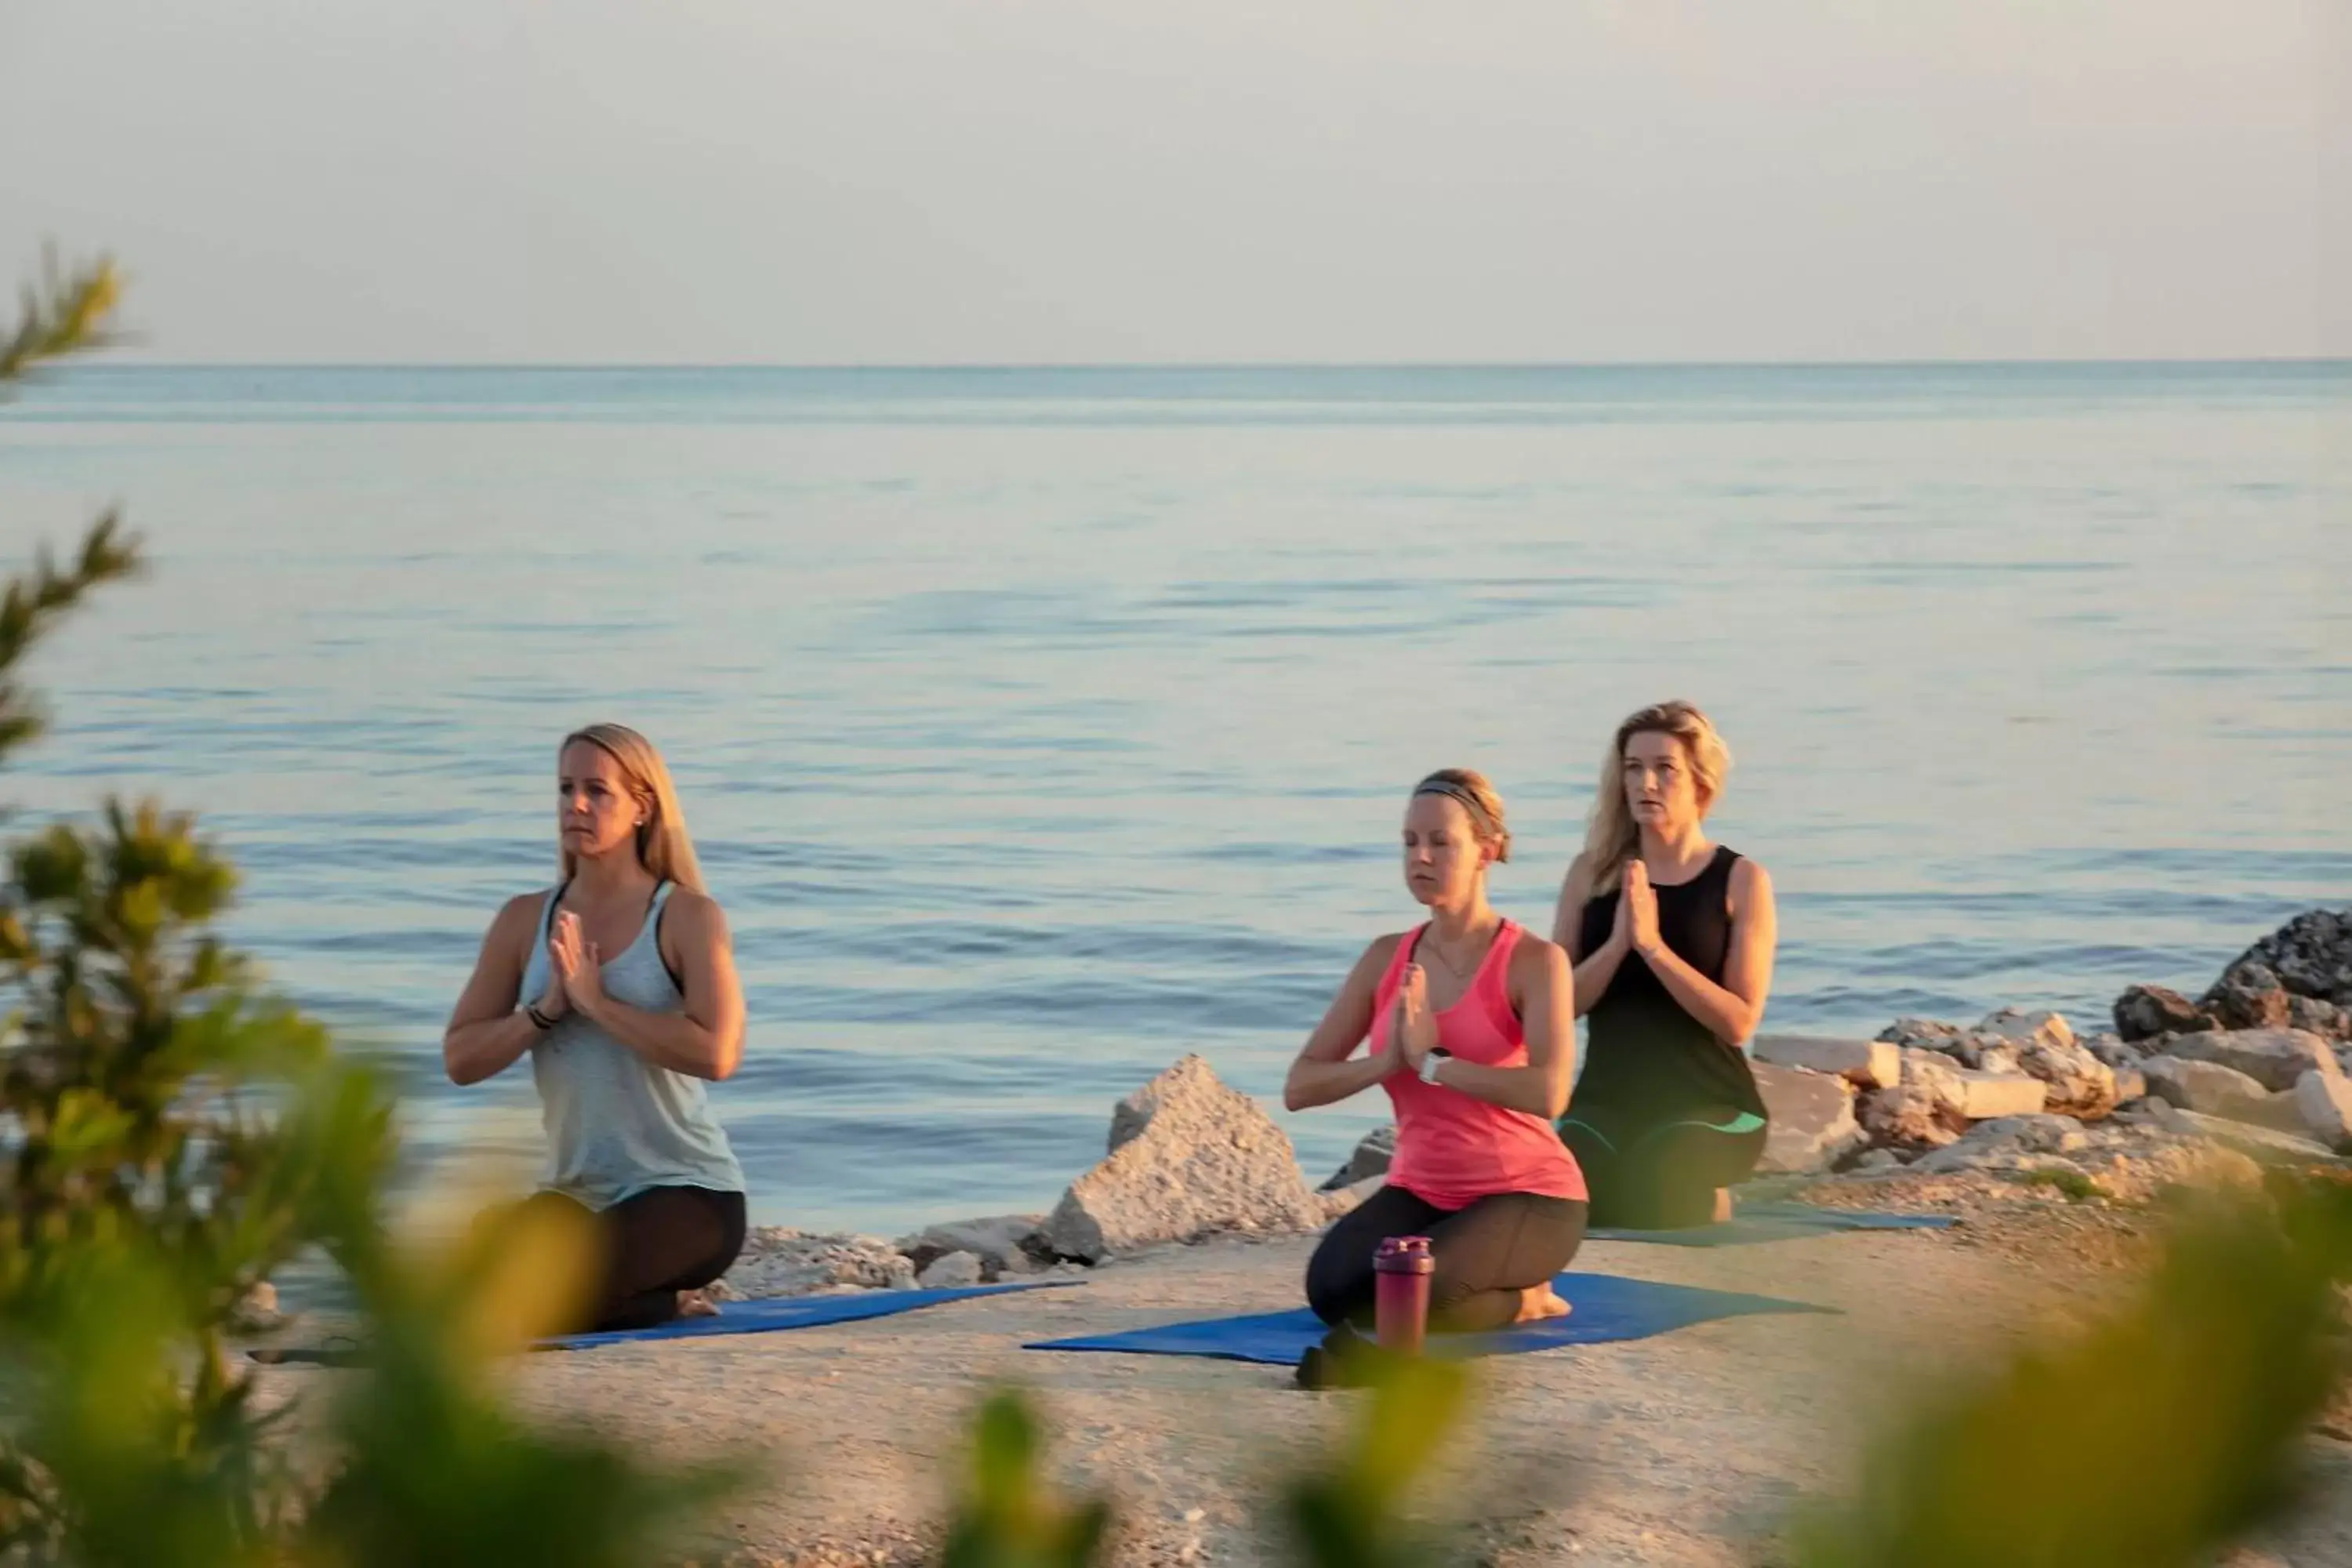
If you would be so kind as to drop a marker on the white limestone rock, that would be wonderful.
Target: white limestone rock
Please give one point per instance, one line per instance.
(2276, 1059)
(1005, 1244)
(2325, 1103)
(950, 1271)
(780, 1261)
(1810, 1116)
(2202, 1086)
(1866, 1064)
(1189, 1157)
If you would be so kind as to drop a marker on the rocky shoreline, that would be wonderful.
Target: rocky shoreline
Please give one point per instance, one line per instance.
(2256, 1070)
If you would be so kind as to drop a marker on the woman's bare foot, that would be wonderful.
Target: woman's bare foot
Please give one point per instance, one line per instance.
(1722, 1204)
(696, 1304)
(1538, 1302)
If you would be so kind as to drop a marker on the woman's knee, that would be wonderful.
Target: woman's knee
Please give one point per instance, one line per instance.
(1338, 1280)
(497, 1225)
(1515, 1241)
(672, 1238)
(1334, 1296)
(1682, 1167)
(1656, 1195)
(1450, 1288)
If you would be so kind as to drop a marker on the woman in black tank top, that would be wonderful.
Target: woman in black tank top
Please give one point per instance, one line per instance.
(1672, 937)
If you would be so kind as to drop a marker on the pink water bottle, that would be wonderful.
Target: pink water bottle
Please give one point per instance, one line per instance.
(1401, 1271)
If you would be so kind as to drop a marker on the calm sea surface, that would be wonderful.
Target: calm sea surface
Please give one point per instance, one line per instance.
(1039, 726)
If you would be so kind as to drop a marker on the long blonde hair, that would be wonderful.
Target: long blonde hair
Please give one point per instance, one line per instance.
(1612, 837)
(664, 847)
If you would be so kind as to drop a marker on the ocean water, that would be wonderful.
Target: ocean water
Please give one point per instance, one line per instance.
(1038, 727)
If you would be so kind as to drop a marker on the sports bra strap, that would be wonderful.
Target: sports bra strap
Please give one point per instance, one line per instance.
(661, 908)
(1494, 982)
(547, 911)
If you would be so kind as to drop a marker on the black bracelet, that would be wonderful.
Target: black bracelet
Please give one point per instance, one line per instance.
(540, 1020)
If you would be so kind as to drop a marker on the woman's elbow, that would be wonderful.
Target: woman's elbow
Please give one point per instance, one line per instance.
(1299, 1093)
(721, 1065)
(461, 1072)
(726, 1055)
(1552, 1103)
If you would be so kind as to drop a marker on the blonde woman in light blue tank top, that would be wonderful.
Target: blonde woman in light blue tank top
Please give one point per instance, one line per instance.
(622, 1046)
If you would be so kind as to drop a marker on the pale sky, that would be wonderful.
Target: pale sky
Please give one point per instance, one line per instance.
(1052, 180)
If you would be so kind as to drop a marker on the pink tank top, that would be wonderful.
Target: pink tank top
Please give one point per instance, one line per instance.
(1452, 1148)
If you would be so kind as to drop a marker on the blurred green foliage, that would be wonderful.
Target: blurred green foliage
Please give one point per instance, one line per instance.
(2162, 1433)
(1343, 1510)
(69, 312)
(1006, 1516)
(1349, 1512)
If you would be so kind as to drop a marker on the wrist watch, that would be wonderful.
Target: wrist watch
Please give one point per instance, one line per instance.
(1432, 1062)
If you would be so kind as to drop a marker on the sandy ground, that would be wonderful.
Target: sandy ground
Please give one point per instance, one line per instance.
(1689, 1447)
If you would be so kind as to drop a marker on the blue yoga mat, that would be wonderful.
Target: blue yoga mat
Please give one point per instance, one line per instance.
(774, 1313)
(1775, 1222)
(1606, 1307)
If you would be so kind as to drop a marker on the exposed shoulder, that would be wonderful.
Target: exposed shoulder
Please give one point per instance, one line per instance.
(689, 913)
(521, 911)
(1579, 874)
(514, 928)
(1364, 977)
(1535, 957)
(1749, 887)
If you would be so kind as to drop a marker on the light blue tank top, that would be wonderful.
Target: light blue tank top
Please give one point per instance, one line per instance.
(616, 1124)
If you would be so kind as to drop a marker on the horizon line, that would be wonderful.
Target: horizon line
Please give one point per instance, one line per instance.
(1031, 367)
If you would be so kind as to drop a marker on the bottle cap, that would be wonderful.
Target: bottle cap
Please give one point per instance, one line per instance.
(1403, 1255)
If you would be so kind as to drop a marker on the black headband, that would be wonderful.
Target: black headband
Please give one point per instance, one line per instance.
(1470, 802)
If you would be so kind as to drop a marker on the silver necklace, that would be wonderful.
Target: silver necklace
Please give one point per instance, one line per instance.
(1456, 970)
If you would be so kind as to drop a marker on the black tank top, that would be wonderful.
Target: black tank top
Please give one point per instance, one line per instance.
(1643, 1054)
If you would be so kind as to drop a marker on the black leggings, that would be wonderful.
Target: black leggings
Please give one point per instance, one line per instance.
(1654, 1174)
(1486, 1255)
(651, 1247)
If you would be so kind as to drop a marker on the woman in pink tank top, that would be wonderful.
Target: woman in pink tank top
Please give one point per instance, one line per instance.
(1467, 1021)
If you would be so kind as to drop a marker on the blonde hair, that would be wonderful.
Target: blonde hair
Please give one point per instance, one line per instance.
(1469, 789)
(1614, 837)
(664, 847)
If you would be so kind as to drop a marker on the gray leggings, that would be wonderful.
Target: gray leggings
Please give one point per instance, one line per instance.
(1486, 1255)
